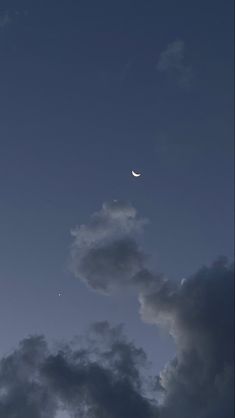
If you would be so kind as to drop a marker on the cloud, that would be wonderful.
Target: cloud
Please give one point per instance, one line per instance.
(198, 313)
(8, 17)
(172, 62)
(105, 253)
(199, 316)
(5, 19)
(101, 380)
(105, 374)
(22, 394)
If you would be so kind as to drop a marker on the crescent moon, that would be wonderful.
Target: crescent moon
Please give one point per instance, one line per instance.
(135, 174)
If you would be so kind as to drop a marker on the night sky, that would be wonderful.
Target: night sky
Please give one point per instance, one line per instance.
(90, 91)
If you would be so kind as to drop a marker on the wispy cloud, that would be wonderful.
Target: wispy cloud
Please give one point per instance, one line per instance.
(172, 61)
(5, 19)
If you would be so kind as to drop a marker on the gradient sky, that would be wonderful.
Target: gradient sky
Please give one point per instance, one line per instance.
(84, 99)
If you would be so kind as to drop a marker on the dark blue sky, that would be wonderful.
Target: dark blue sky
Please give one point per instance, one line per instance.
(82, 103)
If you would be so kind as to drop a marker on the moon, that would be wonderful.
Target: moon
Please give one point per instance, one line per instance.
(135, 174)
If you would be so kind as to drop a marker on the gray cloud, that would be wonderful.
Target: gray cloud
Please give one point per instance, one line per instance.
(105, 376)
(105, 253)
(102, 381)
(198, 312)
(22, 393)
(172, 61)
(199, 315)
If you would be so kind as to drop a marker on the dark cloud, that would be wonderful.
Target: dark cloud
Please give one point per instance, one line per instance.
(198, 312)
(172, 61)
(105, 376)
(199, 315)
(22, 393)
(102, 381)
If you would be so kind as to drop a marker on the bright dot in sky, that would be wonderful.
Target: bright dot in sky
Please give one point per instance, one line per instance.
(60, 294)
(135, 174)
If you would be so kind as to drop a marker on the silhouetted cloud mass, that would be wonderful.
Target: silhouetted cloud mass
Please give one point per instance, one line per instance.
(198, 312)
(199, 316)
(102, 379)
(106, 377)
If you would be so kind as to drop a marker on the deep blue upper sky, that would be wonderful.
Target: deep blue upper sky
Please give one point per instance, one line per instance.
(82, 103)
